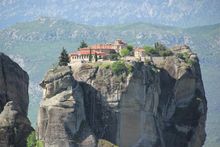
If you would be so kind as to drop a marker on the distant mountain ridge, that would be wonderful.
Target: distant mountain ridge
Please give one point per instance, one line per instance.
(184, 13)
(36, 45)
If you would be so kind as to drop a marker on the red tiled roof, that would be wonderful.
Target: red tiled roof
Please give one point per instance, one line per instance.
(78, 53)
(96, 47)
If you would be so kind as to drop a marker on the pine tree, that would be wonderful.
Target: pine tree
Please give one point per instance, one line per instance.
(83, 44)
(64, 58)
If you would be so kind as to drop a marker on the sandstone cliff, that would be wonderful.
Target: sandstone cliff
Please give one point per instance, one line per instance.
(14, 124)
(159, 104)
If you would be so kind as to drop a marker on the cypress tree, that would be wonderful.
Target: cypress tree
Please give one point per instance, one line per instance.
(90, 55)
(64, 58)
(96, 57)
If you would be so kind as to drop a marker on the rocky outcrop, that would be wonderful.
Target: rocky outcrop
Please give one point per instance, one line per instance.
(61, 119)
(14, 124)
(160, 104)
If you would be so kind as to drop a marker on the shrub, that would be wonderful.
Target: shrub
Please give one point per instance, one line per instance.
(114, 56)
(105, 65)
(159, 50)
(39, 143)
(150, 50)
(105, 143)
(190, 62)
(129, 68)
(165, 53)
(119, 67)
(124, 52)
(130, 48)
(186, 57)
(33, 142)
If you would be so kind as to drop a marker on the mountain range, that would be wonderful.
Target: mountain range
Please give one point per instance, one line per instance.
(184, 13)
(36, 46)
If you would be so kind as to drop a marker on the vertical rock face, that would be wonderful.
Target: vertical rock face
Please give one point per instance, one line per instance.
(160, 105)
(14, 124)
(61, 119)
(156, 105)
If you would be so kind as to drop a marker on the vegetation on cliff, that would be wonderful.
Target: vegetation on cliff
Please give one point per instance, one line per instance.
(64, 58)
(33, 142)
(126, 51)
(158, 50)
(186, 57)
(83, 44)
(117, 67)
(120, 67)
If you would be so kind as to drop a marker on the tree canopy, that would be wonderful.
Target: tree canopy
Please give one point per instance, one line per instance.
(83, 44)
(64, 58)
(158, 50)
(130, 48)
(124, 52)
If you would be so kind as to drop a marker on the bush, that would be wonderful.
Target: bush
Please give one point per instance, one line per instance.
(165, 53)
(120, 67)
(105, 65)
(33, 142)
(130, 48)
(39, 143)
(150, 50)
(159, 50)
(183, 56)
(105, 143)
(124, 52)
(114, 56)
(129, 68)
(186, 57)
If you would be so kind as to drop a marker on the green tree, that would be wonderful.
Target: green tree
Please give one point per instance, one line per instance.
(159, 46)
(119, 67)
(96, 57)
(130, 48)
(114, 56)
(83, 44)
(64, 58)
(90, 55)
(124, 52)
